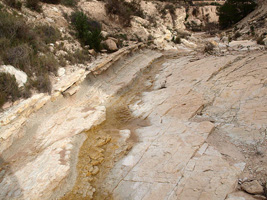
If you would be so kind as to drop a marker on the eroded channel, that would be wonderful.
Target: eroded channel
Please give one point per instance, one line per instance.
(114, 138)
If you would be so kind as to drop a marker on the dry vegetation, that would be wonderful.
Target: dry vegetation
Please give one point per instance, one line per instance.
(25, 47)
(124, 10)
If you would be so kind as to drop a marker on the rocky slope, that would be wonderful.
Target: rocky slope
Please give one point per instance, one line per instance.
(181, 124)
(188, 119)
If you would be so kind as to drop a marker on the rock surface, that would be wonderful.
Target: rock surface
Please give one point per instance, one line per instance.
(39, 150)
(187, 99)
(110, 45)
(252, 187)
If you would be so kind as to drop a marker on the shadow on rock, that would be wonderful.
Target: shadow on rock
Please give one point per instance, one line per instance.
(9, 184)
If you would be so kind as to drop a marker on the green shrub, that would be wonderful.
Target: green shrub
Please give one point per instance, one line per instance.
(34, 5)
(8, 88)
(233, 11)
(124, 10)
(88, 31)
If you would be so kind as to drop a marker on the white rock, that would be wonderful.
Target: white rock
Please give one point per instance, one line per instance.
(241, 166)
(104, 34)
(125, 133)
(21, 77)
(128, 161)
(61, 72)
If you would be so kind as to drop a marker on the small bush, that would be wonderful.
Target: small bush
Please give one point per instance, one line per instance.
(124, 10)
(18, 56)
(195, 11)
(14, 4)
(211, 28)
(209, 48)
(81, 56)
(88, 31)
(52, 1)
(215, 4)
(8, 88)
(34, 5)
(176, 40)
(252, 29)
(48, 33)
(237, 35)
(170, 8)
(42, 83)
(260, 40)
(70, 3)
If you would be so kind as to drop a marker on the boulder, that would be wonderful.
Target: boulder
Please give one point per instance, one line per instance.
(92, 52)
(21, 77)
(104, 34)
(110, 45)
(61, 72)
(252, 187)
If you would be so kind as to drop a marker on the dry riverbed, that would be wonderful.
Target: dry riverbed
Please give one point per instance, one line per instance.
(182, 125)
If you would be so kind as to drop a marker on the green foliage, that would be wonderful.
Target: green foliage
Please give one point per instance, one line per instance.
(233, 11)
(8, 88)
(124, 10)
(88, 31)
(34, 5)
